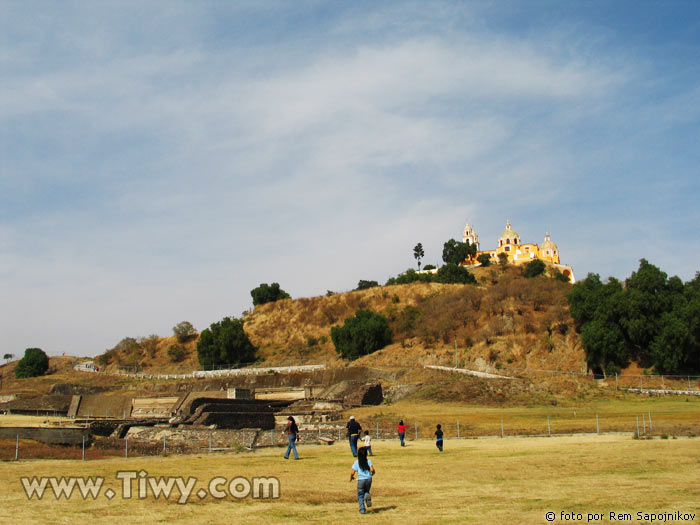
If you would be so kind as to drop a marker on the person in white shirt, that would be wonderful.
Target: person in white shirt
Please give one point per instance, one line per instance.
(367, 443)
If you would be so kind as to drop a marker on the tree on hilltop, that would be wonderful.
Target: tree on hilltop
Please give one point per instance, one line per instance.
(268, 293)
(183, 331)
(34, 363)
(418, 253)
(456, 252)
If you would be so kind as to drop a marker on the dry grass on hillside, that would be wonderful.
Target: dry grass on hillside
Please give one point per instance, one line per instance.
(506, 321)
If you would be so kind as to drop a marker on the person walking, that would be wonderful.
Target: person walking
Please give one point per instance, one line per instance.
(292, 431)
(438, 437)
(364, 470)
(401, 428)
(354, 429)
(367, 443)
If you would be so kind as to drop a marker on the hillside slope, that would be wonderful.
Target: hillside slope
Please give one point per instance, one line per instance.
(506, 321)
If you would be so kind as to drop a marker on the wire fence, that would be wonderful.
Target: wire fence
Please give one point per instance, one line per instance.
(562, 422)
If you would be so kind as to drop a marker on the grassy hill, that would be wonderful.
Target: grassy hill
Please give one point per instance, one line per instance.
(506, 321)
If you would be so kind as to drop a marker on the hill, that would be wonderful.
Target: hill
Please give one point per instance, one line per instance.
(506, 321)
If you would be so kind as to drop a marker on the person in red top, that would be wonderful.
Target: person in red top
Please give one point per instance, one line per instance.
(401, 428)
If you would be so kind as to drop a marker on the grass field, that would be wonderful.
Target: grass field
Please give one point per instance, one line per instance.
(669, 416)
(489, 481)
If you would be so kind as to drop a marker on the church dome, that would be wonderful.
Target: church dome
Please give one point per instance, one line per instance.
(548, 246)
(508, 236)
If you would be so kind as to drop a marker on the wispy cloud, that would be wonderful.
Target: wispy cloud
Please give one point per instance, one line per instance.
(159, 165)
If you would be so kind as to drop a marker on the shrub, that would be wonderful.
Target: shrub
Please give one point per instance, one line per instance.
(428, 267)
(484, 259)
(184, 331)
(176, 353)
(34, 363)
(267, 293)
(225, 343)
(362, 334)
(364, 285)
(454, 274)
(534, 268)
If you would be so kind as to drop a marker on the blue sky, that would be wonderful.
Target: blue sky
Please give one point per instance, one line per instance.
(158, 160)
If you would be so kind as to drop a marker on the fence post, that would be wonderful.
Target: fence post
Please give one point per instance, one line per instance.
(644, 422)
(83, 447)
(17, 449)
(458, 428)
(637, 417)
(502, 435)
(615, 381)
(164, 449)
(651, 427)
(377, 429)
(597, 424)
(416, 431)
(549, 427)
(663, 385)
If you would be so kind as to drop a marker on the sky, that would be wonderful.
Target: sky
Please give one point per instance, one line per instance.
(160, 159)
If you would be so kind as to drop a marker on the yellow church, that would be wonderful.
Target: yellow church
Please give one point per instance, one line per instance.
(518, 253)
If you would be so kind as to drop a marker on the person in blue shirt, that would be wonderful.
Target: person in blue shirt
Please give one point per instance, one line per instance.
(364, 470)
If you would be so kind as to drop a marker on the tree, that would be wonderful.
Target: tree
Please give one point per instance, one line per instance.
(534, 268)
(418, 253)
(184, 331)
(362, 334)
(267, 293)
(484, 259)
(8, 357)
(428, 267)
(503, 259)
(364, 285)
(34, 363)
(454, 274)
(605, 346)
(456, 252)
(225, 343)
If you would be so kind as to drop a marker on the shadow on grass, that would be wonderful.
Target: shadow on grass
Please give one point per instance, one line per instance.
(382, 509)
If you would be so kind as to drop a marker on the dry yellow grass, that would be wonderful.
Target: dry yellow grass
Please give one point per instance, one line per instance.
(486, 481)
(669, 416)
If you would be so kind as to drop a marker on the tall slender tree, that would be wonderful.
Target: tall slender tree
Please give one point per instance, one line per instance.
(418, 253)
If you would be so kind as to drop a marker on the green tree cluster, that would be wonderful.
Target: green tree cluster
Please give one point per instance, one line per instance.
(267, 293)
(650, 318)
(447, 274)
(455, 252)
(362, 334)
(34, 363)
(225, 343)
(534, 268)
(364, 285)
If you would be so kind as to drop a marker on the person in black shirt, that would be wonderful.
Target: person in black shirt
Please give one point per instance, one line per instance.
(438, 438)
(353, 428)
